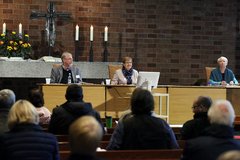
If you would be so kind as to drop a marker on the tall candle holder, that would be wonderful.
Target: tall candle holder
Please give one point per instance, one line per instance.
(91, 52)
(105, 52)
(77, 50)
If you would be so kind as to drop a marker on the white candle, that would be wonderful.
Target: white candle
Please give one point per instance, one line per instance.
(106, 34)
(4, 28)
(20, 28)
(77, 33)
(91, 33)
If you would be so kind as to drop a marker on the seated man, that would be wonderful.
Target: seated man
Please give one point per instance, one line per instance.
(217, 138)
(63, 116)
(61, 73)
(125, 75)
(193, 128)
(142, 130)
(222, 75)
(85, 135)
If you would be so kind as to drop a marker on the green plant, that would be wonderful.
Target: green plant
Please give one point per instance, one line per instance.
(15, 45)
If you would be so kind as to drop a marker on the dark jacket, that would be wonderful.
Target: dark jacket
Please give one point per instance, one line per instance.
(142, 132)
(27, 142)
(63, 116)
(215, 140)
(193, 128)
(3, 120)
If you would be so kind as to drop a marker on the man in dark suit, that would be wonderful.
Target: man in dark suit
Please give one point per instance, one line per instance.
(194, 127)
(217, 138)
(73, 108)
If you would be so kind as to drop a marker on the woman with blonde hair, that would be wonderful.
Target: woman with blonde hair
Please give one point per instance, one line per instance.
(26, 139)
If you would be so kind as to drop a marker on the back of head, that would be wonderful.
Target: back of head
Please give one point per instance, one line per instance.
(142, 101)
(7, 98)
(85, 135)
(221, 112)
(36, 97)
(74, 92)
(22, 112)
(230, 155)
(202, 104)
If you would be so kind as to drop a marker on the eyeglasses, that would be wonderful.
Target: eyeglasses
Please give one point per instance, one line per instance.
(196, 106)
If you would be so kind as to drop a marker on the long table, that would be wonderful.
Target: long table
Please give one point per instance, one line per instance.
(114, 99)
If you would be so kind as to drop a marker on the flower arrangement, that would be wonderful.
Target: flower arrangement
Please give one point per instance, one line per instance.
(15, 45)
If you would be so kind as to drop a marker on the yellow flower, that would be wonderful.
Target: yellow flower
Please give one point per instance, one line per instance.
(3, 35)
(20, 42)
(11, 42)
(29, 45)
(15, 48)
(15, 43)
(13, 32)
(26, 35)
(9, 48)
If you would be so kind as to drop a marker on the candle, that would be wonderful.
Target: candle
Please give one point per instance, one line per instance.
(4, 28)
(106, 34)
(91, 33)
(20, 28)
(77, 33)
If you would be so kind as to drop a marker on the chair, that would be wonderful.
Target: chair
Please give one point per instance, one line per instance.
(208, 72)
(112, 68)
(55, 65)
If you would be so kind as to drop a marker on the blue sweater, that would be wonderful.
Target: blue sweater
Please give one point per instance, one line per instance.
(216, 77)
(26, 142)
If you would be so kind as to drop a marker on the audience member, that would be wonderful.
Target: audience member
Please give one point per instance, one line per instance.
(193, 128)
(73, 108)
(36, 98)
(7, 99)
(222, 75)
(217, 138)
(85, 135)
(142, 130)
(125, 75)
(61, 73)
(26, 139)
(230, 155)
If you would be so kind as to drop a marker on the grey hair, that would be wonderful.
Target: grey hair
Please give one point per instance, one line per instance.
(65, 54)
(7, 98)
(221, 112)
(222, 57)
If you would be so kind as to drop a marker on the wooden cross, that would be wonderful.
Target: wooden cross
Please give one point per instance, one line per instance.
(50, 16)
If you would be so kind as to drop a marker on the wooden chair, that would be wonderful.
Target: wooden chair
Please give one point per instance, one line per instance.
(55, 65)
(112, 68)
(208, 71)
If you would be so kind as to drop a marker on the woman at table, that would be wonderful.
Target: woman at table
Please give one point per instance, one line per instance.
(222, 75)
(125, 75)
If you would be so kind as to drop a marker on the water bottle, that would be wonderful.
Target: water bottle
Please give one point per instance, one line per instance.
(69, 78)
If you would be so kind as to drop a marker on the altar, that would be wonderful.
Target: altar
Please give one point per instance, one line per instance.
(41, 69)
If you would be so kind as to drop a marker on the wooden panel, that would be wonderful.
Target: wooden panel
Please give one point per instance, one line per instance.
(118, 99)
(181, 100)
(233, 94)
(55, 95)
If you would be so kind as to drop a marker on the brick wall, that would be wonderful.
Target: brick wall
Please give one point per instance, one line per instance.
(177, 38)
